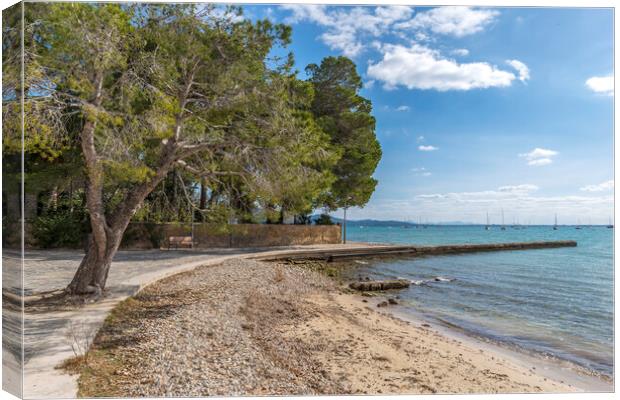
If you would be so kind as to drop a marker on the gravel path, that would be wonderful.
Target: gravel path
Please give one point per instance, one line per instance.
(211, 332)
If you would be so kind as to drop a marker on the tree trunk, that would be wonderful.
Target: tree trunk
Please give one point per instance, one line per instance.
(92, 273)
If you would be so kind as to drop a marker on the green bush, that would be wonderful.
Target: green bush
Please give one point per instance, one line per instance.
(136, 232)
(59, 230)
(324, 219)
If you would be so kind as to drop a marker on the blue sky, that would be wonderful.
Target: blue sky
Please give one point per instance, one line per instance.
(477, 109)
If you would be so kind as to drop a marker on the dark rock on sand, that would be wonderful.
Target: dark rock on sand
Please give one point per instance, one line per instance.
(380, 285)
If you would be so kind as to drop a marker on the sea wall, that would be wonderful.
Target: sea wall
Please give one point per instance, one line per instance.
(149, 235)
(392, 251)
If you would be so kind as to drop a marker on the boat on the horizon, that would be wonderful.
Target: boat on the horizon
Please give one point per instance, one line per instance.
(487, 227)
(503, 225)
(610, 225)
(555, 225)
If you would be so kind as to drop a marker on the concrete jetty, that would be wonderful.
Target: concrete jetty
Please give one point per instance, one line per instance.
(386, 251)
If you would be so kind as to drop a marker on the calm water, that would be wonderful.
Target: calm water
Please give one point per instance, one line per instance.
(557, 302)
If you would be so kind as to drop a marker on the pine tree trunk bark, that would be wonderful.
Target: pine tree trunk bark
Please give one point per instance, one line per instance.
(92, 274)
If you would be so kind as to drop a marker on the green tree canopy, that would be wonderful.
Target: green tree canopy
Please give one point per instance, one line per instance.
(345, 116)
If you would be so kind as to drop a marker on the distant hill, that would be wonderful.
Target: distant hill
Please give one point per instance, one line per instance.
(375, 222)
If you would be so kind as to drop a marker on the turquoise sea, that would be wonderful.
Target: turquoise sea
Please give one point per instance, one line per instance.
(552, 302)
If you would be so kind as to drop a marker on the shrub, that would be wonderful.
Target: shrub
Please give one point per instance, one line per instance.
(324, 219)
(137, 232)
(59, 230)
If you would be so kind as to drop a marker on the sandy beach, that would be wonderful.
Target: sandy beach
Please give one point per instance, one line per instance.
(253, 328)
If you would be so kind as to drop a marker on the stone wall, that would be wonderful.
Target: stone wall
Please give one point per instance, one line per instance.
(148, 235)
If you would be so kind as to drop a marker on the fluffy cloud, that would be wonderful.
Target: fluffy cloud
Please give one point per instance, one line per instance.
(346, 28)
(539, 157)
(601, 84)
(454, 21)
(419, 67)
(460, 52)
(427, 148)
(396, 33)
(607, 185)
(522, 69)
(403, 108)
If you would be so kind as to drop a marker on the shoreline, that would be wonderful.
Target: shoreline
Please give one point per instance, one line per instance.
(252, 328)
(550, 367)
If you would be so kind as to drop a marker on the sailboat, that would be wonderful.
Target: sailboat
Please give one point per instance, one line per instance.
(555, 226)
(610, 225)
(487, 227)
(503, 226)
(578, 224)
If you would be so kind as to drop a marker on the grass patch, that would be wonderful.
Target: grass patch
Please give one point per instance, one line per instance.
(101, 368)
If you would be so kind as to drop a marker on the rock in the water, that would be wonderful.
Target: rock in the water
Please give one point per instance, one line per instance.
(392, 301)
(380, 285)
(382, 304)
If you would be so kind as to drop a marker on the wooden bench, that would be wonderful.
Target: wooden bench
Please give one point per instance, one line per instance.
(180, 241)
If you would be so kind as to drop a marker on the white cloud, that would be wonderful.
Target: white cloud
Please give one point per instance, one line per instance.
(427, 148)
(354, 30)
(522, 69)
(421, 171)
(460, 52)
(539, 157)
(453, 21)
(347, 28)
(420, 139)
(607, 185)
(601, 84)
(473, 206)
(538, 153)
(520, 203)
(518, 189)
(420, 36)
(403, 108)
(539, 162)
(419, 67)
(369, 84)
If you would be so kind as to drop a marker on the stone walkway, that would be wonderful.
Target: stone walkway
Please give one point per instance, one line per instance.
(49, 337)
